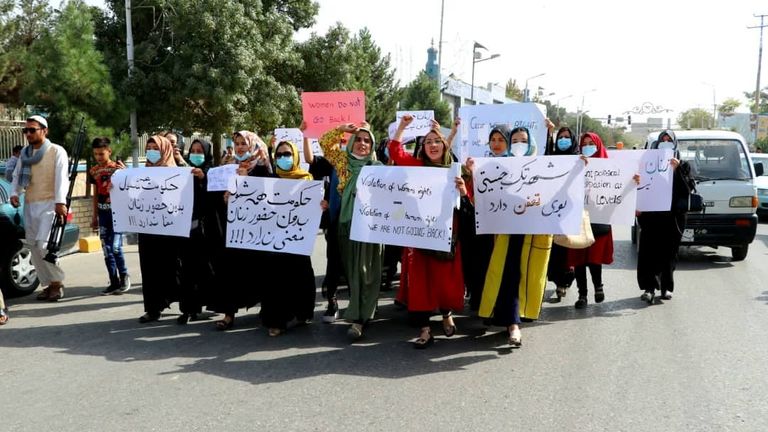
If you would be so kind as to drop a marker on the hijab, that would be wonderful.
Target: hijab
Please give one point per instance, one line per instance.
(572, 150)
(354, 166)
(601, 152)
(671, 134)
(207, 151)
(166, 152)
(532, 149)
(296, 173)
(253, 142)
(503, 130)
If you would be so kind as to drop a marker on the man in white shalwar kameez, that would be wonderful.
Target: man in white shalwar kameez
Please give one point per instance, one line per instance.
(41, 174)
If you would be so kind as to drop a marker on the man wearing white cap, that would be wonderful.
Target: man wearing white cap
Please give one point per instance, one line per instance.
(41, 174)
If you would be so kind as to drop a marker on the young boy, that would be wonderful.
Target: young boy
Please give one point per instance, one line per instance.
(100, 176)
(10, 165)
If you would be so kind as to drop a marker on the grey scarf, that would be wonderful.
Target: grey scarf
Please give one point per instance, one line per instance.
(27, 160)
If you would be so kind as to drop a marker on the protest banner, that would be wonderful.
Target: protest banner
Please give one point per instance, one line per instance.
(325, 110)
(218, 177)
(655, 190)
(404, 206)
(529, 195)
(275, 215)
(610, 191)
(478, 120)
(422, 123)
(152, 200)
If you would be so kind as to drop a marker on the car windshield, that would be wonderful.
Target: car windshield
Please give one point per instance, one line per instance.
(716, 159)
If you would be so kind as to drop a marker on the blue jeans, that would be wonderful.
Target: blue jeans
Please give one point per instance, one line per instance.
(112, 246)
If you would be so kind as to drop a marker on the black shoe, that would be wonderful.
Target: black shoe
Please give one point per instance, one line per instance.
(599, 294)
(182, 319)
(666, 295)
(647, 296)
(332, 313)
(125, 284)
(149, 317)
(110, 289)
(581, 303)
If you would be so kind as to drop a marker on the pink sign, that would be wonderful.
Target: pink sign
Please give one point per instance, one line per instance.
(325, 110)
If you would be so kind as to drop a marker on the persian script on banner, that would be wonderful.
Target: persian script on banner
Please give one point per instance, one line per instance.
(655, 190)
(274, 215)
(610, 191)
(529, 195)
(405, 206)
(153, 200)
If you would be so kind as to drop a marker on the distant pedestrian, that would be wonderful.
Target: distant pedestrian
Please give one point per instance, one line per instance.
(10, 164)
(100, 176)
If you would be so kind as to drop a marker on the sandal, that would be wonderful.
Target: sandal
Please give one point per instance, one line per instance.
(274, 332)
(561, 291)
(355, 331)
(422, 343)
(43, 294)
(4, 318)
(448, 330)
(515, 338)
(599, 294)
(226, 324)
(666, 295)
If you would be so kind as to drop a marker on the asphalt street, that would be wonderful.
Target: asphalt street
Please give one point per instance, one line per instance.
(694, 363)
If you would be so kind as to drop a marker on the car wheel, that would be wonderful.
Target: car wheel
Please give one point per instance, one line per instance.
(738, 253)
(19, 276)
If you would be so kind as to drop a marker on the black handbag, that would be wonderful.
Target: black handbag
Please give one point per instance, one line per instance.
(600, 229)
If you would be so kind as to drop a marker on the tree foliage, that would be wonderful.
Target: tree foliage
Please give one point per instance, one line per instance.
(513, 91)
(22, 23)
(423, 93)
(729, 106)
(763, 100)
(695, 118)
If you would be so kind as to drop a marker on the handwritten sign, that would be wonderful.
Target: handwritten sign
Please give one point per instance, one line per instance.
(420, 126)
(610, 191)
(404, 206)
(655, 190)
(153, 200)
(529, 195)
(274, 215)
(478, 120)
(325, 110)
(218, 177)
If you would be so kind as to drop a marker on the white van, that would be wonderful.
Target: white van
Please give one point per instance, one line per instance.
(725, 179)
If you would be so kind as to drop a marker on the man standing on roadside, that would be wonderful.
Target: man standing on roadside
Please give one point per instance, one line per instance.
(41, 174)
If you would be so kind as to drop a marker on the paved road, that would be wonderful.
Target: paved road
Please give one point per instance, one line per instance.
(696, 363)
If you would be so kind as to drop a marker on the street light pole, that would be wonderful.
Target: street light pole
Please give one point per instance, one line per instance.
(476, 58)
(580, 119)
(557, 107)
(129, 53)
(525, 92)
(714, 104)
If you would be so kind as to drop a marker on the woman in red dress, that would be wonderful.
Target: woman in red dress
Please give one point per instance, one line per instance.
(430, 280)
(601, 252)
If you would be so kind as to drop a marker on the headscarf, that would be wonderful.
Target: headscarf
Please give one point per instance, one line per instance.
(447, 157)
(504, 131)
(354, 166)
(573, 150)
(601, 152)
(532, 148)
(208, 163)
(296, 173)
(166, 152)
(253, 142)
(671, 134)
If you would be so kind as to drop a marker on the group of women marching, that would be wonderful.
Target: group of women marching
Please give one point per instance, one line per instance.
(503, 276)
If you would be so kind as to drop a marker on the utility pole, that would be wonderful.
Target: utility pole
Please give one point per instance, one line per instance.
(129, 53)
(440, 52)
(759, 64)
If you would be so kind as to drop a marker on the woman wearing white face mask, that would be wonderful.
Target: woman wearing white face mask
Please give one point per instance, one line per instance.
(663, 231)
(517, 272)
(601, 252)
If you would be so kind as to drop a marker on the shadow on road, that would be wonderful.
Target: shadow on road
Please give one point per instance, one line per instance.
(763, 297)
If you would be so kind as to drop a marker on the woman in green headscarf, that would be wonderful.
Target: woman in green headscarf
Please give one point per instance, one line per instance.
(362, 261)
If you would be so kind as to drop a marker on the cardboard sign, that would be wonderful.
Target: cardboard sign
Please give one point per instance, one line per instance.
(325, 110)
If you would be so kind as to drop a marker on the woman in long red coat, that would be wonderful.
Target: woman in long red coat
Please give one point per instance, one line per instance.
(601, 252)
(430, 280)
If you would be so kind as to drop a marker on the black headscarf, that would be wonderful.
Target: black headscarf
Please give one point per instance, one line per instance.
(671, 134)
(572, 150)
(505, 133)
(207, 151)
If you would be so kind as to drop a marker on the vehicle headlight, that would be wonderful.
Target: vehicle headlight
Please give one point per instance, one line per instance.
(742, 201)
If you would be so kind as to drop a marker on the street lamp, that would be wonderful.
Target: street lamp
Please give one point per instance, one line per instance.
(525, 92)
(579, 119)
(557, 107)
(477, 58)
(714, 103)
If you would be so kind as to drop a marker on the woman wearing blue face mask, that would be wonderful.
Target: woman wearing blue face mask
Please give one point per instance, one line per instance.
(558, 271)
(158, 255)
(601, 252)
(291, 295)
(662, 232)
(517, 272)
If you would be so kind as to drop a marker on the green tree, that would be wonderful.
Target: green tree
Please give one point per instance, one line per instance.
(423, 94)
(729, 106)
(65, 77)
(22, 23)
(317, 72)
(763, 100)
(695, 118)
(513, 91)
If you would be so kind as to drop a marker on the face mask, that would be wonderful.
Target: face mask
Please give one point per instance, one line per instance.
(196, 159)
(666, 145)
(519, 149)
(589, 150)
(285, 163)
(153, 156)
(245, 156)
(564, 144)
(357, 157)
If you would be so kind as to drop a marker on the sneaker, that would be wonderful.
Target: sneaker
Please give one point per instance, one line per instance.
(647, 296)
(110, 290)
(332, 313)
(125, 284)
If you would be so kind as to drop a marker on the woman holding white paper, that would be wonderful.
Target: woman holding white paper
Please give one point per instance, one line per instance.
(430, 280)
(158, 255)
(362, 261)
(517, 272)
(601, 252)
(285, 299)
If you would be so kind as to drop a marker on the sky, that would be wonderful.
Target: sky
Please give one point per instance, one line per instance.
(677, 54)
